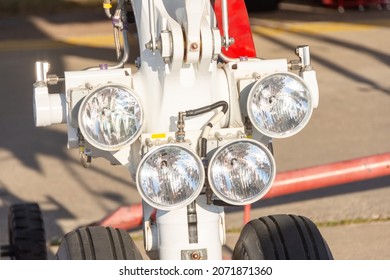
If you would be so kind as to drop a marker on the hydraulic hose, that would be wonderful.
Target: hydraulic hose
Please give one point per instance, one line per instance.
(180, 134)
(208, 108)
(107, 8)
(118, 22)
(211, 123)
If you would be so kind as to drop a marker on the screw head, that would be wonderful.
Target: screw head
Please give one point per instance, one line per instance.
(195, 256)
(194, 46)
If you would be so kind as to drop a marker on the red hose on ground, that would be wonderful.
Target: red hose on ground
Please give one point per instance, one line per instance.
(338, 173)
(332, 174)
(327, 175)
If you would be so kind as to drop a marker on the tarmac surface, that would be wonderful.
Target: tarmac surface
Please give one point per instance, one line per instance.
(351, 54)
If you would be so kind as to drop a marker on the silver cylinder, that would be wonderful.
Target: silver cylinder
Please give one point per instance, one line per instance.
(41, 69)
(304, 54)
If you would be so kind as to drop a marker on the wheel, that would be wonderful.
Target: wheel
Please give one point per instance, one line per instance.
(261, 5)
(281, 237)
(98, 243)
(26, 232)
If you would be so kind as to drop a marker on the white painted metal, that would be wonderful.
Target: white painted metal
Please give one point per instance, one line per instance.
(48, 108)
(178, 71)
(309, 76)
(173, 232)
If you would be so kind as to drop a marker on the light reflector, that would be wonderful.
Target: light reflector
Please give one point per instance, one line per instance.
(280, 105)
(170, 177)
(111, 117)
(241, 172)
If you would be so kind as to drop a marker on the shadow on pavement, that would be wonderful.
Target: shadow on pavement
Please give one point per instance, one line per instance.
(25, 144)
(22, 141)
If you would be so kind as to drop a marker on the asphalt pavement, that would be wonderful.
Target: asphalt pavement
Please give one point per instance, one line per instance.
(350, 52)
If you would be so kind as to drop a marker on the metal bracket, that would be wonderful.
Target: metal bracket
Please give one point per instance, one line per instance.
(303, 52)
(192, 223)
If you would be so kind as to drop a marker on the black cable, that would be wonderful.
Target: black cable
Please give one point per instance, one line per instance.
(203, 110)
(208, 108)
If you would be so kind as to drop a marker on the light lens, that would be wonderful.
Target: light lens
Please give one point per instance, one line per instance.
(111, 117)
(170, 177)
(241, 172)
(280, 105)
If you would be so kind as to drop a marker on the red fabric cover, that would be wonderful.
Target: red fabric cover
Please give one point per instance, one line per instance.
(239, 29)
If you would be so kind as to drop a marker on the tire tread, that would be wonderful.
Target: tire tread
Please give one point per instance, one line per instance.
(281, 237)
(26, 232)
(98, 243)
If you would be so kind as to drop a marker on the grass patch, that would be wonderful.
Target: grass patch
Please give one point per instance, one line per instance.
(334, 223)
(353, 221)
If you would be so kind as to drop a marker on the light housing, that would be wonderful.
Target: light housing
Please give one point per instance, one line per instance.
(279, 104)
(241, 172)
(111, 117)
(170, 177)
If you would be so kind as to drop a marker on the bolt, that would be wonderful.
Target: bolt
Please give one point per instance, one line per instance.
(137, 62)
(256, 76)
(194, 46)
(149, 45)
(195, 256)
(88, 85)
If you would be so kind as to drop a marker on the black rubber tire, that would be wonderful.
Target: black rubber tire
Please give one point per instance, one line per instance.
(26, 232)
(262, 5)
(281, 237)
(98, 243)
